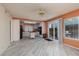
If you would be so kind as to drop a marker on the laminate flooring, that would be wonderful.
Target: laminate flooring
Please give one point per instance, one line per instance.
(39, 47)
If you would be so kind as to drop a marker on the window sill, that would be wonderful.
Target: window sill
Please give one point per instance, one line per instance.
(71, 38)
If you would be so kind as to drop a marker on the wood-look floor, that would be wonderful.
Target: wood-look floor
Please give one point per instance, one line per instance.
(39, 47)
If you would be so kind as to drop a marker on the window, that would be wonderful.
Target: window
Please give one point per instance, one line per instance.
(72, 27)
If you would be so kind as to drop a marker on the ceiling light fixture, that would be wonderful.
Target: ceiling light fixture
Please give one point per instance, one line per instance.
(41, 12)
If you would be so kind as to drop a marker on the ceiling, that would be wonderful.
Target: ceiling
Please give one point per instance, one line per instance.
(30, 10)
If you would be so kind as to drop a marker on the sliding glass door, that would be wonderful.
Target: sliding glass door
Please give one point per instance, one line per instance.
(54, 30)
(50, 31)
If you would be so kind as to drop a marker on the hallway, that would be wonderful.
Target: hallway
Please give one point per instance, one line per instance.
(39, 47)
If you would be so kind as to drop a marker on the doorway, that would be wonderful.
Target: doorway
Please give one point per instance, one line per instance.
(21, 31)
(40, 30)
(55, 30)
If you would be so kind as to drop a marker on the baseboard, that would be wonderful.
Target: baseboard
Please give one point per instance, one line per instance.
(71, 46)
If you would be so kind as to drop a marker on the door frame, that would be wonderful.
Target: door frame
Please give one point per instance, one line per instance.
(59, 30)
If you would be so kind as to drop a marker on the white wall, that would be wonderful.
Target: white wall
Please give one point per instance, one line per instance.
(4, 29)
(15, 30)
